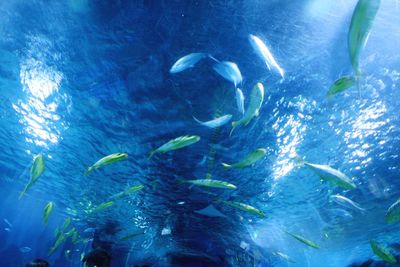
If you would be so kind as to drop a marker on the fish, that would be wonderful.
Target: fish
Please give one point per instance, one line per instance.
(166, 231)
(244, 207)
(47, 211)
(8, 223)
(230, 71)
(129, 191)
(25, 249)
(175, 144)
(283, 256)
(382, 252)
(265, 54)
(346, 202)
(89, 230)
(303, 240)
(217, 122)
(240, 100)
(67, 222)
(210, 183)
(106, 160)
(103, 206)
(37, 170)
(253, 110)
(210, 211)
(360, 26)
(329, 174)
(59, 240)
(249, 160)
(125, 238)
(393, 212)
(342, 213)
(340, 85)
(67, 254)
(73, 233)
(7, 229)
(187, 62)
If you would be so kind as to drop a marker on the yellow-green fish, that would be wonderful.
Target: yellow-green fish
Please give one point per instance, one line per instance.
(106, 160)
(61, 238)
(253, 110)
(303, 240)
(211, 183)
(176, 143)
(103, 206)
(125, 238)
(36, 170)
(244, 207)
(47, 211)
(249, 160)
(67, 222)
(329, 174)
(340, 85)
(73, 233)
(382, 252)
(129, 191)
(393, 213)
(361, 23)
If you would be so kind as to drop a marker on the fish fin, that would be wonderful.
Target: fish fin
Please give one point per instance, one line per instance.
(151, 154)
(226, 166)
(213, 58)
(89, 170)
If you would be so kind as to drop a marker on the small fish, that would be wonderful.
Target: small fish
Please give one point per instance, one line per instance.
(329, 174)
(67, 222)
(67, 254)
(176, 143)
(25, 249)
(7, 229)
(73, 233)
(103, 206)
(265, 54)
(166, 231)
(210, 211)
(125, 238)
(382, 252)
(360, 26)
(129, 191)
(210, 183)
(346, 202)
(47, 211)
(245, 207)
(341, 213)
(8, 223)
(36, 170)
(187, 62)
(217, 122)
(106, 160)
(230, 71)
(89, 230)
(256, 100)
(59, 240)
(393, 213)
(340, 85)
(283, 256)
(249, 160)
(303, 240)
(240, 100)
(244, 245)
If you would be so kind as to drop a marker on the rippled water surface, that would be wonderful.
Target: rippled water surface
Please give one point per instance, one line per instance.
(81, 79)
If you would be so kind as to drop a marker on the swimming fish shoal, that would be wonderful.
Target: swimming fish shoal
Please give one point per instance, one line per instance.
(265, 54)
(37, 169)
(244, 207)
(393, 212)
(329, 174)
(217, 122)
(175, 144)
(211, 183)
(47, 211)
(230, 71)
(187, 62)
(303, 240)
(340, 85)
(382, 252)
(240, 100)
(249, 160)
(106, 161)
(210, 211)
(346, 202)
(256, 100)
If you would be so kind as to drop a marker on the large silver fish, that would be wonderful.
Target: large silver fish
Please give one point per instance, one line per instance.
(230, 71)
(187, 62)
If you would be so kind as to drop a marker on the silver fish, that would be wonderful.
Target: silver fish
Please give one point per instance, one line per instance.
(217, 122)
(265, 54)
(25, 249)
(230, 71)
(187, 62)
(346, 202)
(240, 100)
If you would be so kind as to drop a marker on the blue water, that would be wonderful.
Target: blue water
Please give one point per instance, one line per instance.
(81, 79)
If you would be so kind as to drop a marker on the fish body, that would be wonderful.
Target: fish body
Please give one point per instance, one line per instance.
(217, 122)
(187, 62)
(382, 252)
(176, 143)
(47, 211)
(256, 100)
(103, 206)
(283, 256)
(245, 207)
(341, 84)
(211, 183)
(106, 161)
(360, 26)
(393, 213)
(230, 71)
(249, 160)
(265, 54)
(303, 240)
(346, 202)
(37, 169)
(25, 249)
(67, 222)
(210, 211)
(240, 100)
(125, 238)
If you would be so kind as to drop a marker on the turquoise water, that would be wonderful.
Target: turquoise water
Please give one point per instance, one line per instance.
(82, 79)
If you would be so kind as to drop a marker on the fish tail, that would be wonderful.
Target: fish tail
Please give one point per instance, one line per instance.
(24, 191)
(181, 181)
(151, 154)
(226, 166)
(89, 170)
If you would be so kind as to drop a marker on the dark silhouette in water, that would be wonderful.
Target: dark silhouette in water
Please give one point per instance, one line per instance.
(98, 258)
(38, 263)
